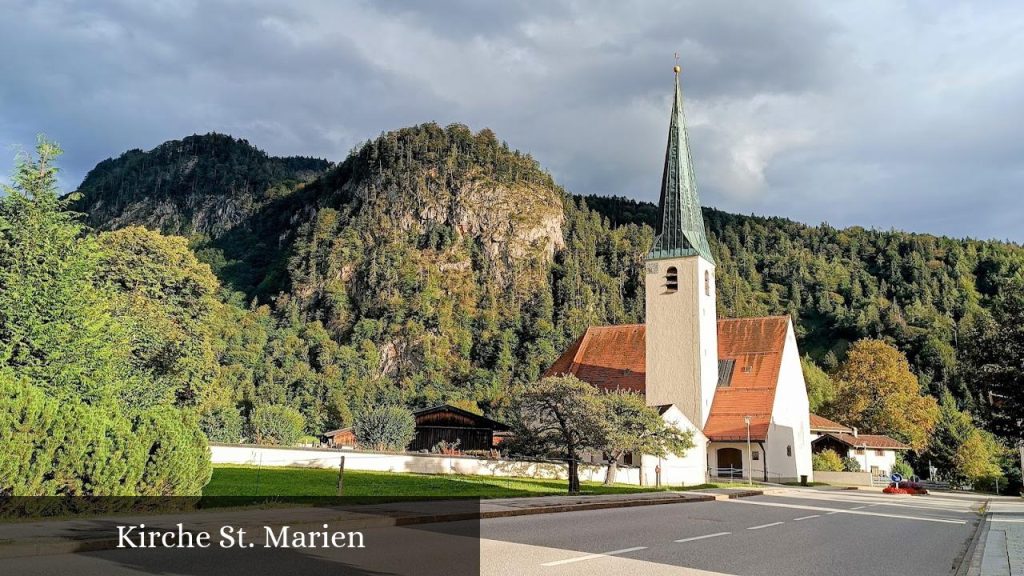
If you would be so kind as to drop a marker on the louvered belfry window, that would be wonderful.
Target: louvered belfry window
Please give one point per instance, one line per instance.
(671, 279)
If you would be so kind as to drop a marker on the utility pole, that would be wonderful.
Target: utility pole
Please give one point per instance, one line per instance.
(341, 476)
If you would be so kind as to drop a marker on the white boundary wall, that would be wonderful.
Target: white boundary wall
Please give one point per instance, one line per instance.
(847, 478)
(252, 455)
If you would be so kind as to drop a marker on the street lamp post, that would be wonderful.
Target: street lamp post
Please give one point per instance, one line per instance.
(750, 461)
(871, 479)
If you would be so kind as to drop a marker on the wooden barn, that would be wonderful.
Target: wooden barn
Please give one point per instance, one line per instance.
(448, 423)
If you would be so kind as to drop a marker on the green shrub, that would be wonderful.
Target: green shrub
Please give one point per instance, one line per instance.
(277, 424)
(850, 464)
(31, 432)
(221, 423)
(389, 428)
(178, 460)
(65, 447)
(903, 469)
(827, 461)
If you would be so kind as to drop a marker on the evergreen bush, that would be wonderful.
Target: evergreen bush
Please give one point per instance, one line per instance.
(65, 447)
(178, 460)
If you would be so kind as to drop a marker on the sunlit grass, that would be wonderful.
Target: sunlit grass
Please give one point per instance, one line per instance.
(261, 482)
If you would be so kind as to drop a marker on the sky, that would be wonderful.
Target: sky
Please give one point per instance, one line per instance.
(882, 114)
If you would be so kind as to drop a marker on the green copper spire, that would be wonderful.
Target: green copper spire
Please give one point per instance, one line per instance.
(680, 229)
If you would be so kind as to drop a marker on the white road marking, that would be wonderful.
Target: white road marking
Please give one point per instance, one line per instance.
(593, 556)
(831, 513)
(1013, 520)
(807, 517)
(704, 536)
(765, 525)
(918, 502)
(834, 511)
(858, 507)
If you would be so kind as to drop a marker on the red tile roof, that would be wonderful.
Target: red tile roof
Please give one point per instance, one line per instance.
(755, 344)
(876, 441)
(822, 424)
(614, 357)
(609, 357)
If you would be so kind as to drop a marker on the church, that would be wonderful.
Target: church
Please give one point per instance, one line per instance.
(735, 382)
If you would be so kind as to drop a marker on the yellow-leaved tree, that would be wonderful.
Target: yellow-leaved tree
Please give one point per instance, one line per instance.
(877, 393)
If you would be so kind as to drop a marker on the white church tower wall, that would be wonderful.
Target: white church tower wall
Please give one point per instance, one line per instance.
(682, 335)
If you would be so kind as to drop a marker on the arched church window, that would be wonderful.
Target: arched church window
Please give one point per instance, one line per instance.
(671, 279)
(707, 283)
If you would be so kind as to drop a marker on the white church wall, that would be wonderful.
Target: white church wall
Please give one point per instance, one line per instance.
(749, 462)
(789, 437)
(686, 470)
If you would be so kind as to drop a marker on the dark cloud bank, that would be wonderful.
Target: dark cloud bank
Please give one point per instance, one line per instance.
(881, 114)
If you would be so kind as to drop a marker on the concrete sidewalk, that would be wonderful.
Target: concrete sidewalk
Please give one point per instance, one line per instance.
(63, 536)
(1000, 548)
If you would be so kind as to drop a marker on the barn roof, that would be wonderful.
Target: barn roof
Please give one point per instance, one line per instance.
(614, 358)
(480, 421)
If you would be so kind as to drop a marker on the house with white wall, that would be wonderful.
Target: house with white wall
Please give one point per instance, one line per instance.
(735, 382)
(876, 453)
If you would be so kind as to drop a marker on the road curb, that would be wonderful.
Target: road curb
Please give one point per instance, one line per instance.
(578, 507)
(57, 546)
(969, 563)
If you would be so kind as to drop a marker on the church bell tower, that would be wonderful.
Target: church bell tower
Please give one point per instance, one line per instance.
(682, 326)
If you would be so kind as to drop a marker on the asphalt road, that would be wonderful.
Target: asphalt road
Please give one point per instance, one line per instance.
(797, 533)
(840, 533)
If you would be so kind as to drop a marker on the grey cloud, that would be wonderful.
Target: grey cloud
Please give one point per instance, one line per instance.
(874, 113)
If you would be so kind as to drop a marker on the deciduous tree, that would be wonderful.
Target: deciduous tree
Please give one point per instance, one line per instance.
(630, 425)
(564, 416)
(389, 428)
(879, 394)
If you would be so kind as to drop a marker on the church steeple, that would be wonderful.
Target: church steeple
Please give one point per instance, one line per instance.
(680, 230)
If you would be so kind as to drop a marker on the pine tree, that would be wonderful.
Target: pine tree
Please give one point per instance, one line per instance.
(56, 327)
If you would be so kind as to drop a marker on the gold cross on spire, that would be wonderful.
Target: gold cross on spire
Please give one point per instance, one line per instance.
(676, 68)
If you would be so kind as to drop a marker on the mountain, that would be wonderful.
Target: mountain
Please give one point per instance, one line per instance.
(438, 264)
(196, 185)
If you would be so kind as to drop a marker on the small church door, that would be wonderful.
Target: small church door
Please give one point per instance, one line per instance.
(730, 462)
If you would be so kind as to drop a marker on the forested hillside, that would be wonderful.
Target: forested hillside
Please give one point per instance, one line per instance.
(922, 292)
(437, 264)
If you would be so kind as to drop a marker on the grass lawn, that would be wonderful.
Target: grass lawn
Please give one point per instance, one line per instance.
(250, 481)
